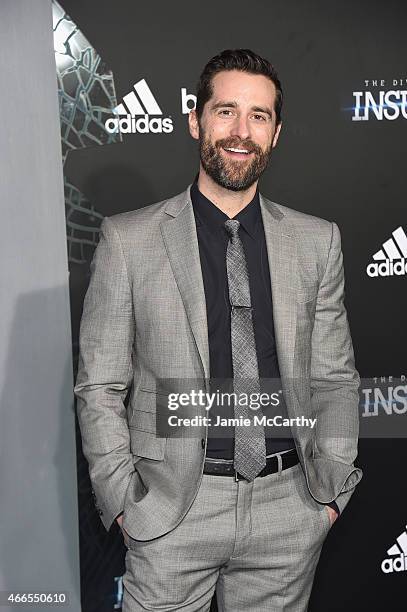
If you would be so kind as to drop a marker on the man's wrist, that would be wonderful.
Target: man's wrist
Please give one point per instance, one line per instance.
(334, 506)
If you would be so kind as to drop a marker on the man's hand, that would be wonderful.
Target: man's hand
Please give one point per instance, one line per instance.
(126, 536)
(119, 520)
(333, 515)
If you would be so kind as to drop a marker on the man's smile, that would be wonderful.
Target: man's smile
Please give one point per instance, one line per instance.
(237, 153)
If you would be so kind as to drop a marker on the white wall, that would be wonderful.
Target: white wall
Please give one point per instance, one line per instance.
(39, 548)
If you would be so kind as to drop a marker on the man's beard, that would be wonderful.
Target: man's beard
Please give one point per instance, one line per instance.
(236, 175)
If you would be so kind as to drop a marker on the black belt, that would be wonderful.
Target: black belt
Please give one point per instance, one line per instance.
(223, 468)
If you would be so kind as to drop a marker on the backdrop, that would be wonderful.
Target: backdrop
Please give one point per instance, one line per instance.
(126, 81)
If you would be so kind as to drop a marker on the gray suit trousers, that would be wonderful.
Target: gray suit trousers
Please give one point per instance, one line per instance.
(256, 543)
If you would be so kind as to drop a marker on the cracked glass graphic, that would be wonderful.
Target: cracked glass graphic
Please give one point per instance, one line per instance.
(87, 96)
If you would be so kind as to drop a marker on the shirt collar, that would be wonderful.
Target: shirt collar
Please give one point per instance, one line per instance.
(209, 214)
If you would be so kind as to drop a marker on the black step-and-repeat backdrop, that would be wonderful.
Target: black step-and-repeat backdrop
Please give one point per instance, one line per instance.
(126, 78)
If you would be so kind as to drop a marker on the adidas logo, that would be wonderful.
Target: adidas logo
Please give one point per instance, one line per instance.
(398, 552)
(393, 256)
(133, 113)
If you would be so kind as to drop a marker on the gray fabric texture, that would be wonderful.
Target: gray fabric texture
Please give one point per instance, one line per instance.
(144, 319)
(257, 543)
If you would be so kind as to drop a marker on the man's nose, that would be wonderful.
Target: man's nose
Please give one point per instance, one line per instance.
(241, 126)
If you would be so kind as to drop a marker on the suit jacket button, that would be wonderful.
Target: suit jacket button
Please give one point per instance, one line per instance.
(203, 442)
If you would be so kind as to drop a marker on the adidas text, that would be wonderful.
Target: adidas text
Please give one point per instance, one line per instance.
(140, 125)
(396, 564)
(387, 268)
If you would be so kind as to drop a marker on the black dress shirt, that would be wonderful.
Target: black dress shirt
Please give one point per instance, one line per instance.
(213, 241)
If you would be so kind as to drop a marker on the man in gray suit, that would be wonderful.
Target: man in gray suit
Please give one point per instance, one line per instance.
(220, 283)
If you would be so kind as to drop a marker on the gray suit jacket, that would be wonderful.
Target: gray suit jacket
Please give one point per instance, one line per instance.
(144, 318)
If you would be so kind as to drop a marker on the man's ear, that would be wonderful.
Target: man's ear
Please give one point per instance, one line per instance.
(277, 134)
(193, 124)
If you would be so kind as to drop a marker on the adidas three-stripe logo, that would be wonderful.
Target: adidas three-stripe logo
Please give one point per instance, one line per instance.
(398, 554)
(133, 114)
(393, 256)
(133, 105)
(390, 250)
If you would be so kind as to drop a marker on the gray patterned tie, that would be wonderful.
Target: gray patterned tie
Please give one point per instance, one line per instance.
(250, 445)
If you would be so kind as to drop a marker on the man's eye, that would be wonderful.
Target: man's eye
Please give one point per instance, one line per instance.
(225, 112)
(259, 117)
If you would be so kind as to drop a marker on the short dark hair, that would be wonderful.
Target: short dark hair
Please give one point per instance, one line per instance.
(244, 60)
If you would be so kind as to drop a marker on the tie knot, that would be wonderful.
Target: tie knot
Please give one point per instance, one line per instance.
(232, 227)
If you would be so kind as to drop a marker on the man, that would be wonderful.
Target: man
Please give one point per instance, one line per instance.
(220, 283)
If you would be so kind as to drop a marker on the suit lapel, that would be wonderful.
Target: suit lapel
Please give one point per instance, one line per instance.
(282, 258)
(181, 243)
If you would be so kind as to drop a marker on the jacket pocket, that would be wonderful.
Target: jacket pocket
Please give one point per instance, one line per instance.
(147, 444)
